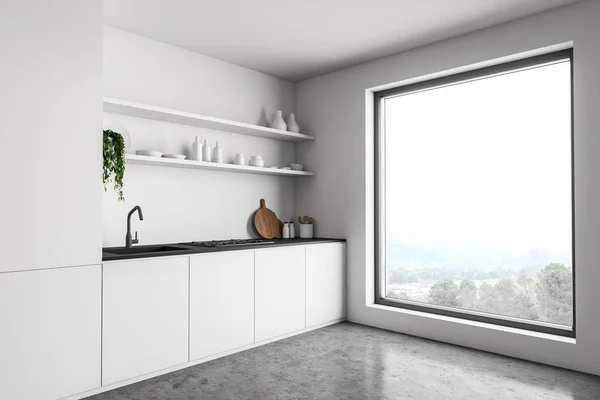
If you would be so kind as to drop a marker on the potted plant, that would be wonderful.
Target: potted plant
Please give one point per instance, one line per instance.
(114, 161)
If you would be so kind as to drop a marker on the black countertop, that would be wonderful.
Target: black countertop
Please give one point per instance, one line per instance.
(186, 249)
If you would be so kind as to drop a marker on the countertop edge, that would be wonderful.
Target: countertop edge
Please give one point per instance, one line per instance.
(193, 250)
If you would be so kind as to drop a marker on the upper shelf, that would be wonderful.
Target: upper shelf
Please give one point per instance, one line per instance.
(169, 162)
(185, 118)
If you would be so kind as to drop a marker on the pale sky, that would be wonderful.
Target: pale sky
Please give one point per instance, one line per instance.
(482, 167)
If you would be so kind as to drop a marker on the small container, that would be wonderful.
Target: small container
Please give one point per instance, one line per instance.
(217, 154)
(306, 231)
(239, 159)
(292, 230)
(286, 231)
(197, 150)
(257, 161)
(206, 151)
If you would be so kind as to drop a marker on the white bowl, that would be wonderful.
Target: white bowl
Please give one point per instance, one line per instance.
(149, 153)
(175, 156)
(297, 167)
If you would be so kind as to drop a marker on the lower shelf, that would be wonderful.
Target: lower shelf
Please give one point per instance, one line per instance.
(169, 162)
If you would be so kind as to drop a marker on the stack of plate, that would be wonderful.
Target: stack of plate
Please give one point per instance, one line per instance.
(149, 153)
(154, 153)
(174, 156)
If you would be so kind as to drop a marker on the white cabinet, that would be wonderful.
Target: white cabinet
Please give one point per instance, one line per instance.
(221, 302)
(145, 317)
(50, 335)
(279, 291)
(52, 198)
(325, 283)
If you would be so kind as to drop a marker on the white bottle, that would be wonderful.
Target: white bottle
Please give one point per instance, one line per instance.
(217, 154)
(286, 230)
(197, 150)
(292, 230)
(292, 125)
(278, 122)
(206, 151)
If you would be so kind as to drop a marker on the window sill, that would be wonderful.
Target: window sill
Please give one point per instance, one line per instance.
(464, 322)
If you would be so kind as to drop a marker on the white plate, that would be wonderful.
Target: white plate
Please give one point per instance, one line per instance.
(149, 153)
(175, 156)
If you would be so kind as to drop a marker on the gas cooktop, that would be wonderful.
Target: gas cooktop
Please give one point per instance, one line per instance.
(231, 242)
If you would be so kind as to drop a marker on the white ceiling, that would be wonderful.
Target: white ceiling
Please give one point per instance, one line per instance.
(299, 39)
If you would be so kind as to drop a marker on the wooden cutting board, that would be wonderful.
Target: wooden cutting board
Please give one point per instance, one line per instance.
(266, 223)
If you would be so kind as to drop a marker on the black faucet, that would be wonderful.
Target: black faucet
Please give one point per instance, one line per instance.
(128, 240)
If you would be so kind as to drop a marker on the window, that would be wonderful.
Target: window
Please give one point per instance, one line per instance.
(474, 195)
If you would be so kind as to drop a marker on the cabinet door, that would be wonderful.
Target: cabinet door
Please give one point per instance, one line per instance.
(325, 283)
(50, 335)
(145, 317)
(51, 204)
(279, 291)
(221, 302)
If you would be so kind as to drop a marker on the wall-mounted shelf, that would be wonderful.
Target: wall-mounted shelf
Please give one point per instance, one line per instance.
(185, 118)
(169, 162)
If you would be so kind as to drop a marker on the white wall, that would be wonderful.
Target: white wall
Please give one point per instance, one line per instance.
(338, 108)
(181, 204)
(50, 121)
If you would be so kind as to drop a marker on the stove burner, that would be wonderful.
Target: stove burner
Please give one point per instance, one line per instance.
(232, 242)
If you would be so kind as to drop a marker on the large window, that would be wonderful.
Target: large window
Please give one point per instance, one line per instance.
(474, 195)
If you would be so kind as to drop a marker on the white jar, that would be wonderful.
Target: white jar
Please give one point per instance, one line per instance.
(292, 230)
(286, 231)
(306, 231)
(239, 159)
(256, 161)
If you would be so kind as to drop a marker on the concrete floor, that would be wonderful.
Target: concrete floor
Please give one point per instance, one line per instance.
(349, 361)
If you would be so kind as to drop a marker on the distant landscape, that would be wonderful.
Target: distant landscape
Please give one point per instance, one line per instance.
(537, 286)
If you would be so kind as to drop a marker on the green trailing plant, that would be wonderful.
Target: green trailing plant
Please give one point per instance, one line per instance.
(114, 161)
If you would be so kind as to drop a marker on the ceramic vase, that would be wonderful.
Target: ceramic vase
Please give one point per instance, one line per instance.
(197, 150)
(278, 122)
(206, 151)
(217, 154)
(292, 125)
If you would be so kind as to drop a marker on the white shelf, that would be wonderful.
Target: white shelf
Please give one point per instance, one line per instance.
(184, 118)
(169, 162)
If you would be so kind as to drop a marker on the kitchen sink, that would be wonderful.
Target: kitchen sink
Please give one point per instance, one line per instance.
(144, 250)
